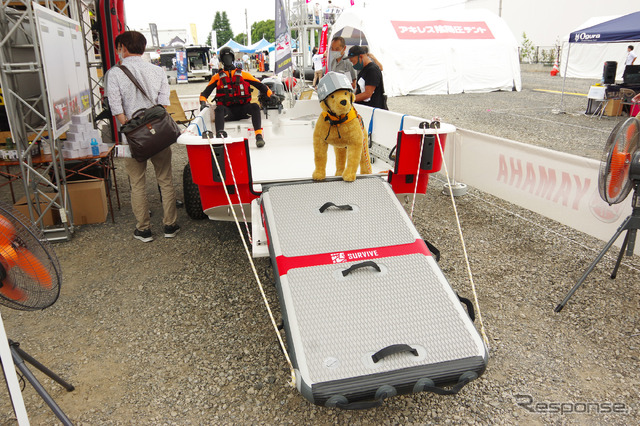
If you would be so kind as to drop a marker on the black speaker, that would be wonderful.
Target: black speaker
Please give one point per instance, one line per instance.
(631, 74)
(609, 72)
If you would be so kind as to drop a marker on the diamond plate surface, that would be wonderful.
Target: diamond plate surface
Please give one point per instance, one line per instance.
(377, 220)
(342, 321)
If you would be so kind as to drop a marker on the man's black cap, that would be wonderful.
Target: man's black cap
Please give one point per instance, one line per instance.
(356, 51)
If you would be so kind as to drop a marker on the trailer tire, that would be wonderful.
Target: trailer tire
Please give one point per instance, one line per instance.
(192, 202)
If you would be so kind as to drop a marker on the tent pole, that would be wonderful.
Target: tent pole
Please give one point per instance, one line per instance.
(564, 79)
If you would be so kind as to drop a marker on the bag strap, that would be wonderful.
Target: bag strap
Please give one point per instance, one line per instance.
(126, 71)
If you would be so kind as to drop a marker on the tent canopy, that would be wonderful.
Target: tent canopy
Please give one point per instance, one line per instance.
(588, 47)
(352, 36)
(260, 46)
(623, 28)
(437, 51)
(234, 45)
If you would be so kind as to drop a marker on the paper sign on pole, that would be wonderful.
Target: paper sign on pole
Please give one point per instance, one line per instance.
(283, 40)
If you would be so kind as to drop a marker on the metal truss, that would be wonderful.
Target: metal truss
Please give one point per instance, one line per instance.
(87, 14)
(26, 103)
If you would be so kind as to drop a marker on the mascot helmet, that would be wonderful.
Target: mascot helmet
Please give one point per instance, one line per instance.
(227, 57)
(331, 82)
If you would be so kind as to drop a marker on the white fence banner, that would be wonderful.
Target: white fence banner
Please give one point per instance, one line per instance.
(560, 186)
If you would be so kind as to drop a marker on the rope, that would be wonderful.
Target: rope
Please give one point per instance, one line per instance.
(415, 188)
(547, 229)
(235, 185)
(464, 247)
(255, 273)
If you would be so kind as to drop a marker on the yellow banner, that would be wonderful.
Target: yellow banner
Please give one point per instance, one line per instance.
(194, 34)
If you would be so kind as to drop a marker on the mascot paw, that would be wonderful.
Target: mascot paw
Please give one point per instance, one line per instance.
(349, 177)
(318, 175)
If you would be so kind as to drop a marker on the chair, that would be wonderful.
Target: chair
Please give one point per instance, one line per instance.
(176, 111)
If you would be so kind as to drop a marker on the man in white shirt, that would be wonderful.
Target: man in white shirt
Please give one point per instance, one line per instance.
(124, 100)
(317, 67)
(245, 61)
(214, 63)
(631, 58)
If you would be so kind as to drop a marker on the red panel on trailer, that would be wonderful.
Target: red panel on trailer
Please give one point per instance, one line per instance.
(402, 179)
(205, 173)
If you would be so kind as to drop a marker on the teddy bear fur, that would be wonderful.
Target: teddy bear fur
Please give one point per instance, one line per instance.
(349, 140)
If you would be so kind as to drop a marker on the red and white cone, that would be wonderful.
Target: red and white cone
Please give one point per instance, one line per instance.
(555, 69)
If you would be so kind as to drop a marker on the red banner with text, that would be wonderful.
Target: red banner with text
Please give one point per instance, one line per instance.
(441, 30)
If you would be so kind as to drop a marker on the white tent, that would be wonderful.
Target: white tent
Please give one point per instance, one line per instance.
(435, 51)
(587, 59)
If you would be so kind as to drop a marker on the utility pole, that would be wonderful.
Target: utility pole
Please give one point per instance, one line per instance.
(500, 8)
(246, 23)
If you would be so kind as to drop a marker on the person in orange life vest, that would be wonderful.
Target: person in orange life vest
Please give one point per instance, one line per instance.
(233, 96)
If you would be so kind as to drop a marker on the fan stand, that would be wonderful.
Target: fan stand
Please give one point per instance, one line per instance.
(18, 358)
(631, 224)
(11, 378)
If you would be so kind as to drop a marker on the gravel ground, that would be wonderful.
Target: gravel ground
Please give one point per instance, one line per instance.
(175, 331)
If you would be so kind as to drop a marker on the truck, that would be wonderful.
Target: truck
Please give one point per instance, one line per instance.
(198, 58)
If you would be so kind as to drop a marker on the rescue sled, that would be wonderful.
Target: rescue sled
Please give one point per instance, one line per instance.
(368, 315)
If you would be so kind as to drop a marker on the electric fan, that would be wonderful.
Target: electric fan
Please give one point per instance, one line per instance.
(29, 280)
(619, 173)
(614, 183)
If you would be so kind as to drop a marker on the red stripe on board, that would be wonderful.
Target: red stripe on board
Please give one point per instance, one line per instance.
(287, 263)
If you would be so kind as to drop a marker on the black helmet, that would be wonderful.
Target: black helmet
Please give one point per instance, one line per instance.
(227, 57)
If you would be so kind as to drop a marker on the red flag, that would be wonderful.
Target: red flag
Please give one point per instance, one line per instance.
(323, 43)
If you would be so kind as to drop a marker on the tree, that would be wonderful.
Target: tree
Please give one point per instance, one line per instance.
(266, 29)
(222, 27)
(527, 50)
(241, 38)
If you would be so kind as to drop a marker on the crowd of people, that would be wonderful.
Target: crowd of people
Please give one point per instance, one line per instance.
(232, 82)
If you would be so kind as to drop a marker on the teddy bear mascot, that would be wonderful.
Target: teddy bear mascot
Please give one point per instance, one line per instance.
(341, 126)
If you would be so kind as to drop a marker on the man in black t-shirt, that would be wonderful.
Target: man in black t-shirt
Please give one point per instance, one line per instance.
(369, 83)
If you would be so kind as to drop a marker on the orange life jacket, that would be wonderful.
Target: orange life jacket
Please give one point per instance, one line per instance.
(232, 91)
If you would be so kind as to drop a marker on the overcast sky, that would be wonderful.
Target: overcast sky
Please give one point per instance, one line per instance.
(178, 14)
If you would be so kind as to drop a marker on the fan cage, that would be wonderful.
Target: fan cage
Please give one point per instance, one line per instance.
(614, 184)
(37, 280)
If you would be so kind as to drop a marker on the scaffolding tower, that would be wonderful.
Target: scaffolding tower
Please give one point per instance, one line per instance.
(307, 26)
(26, 102)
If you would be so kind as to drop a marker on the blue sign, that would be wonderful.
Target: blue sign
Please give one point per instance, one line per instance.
(181, 67)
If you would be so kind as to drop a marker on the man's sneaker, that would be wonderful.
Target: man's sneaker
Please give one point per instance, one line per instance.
(259, 141)
(144, 236)
(170, 231)
(221, 134)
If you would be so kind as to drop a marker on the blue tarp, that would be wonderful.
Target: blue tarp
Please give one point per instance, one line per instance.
(624, 28)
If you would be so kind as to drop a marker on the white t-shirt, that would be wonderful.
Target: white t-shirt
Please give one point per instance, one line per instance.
(317, 62)
(630, 57)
